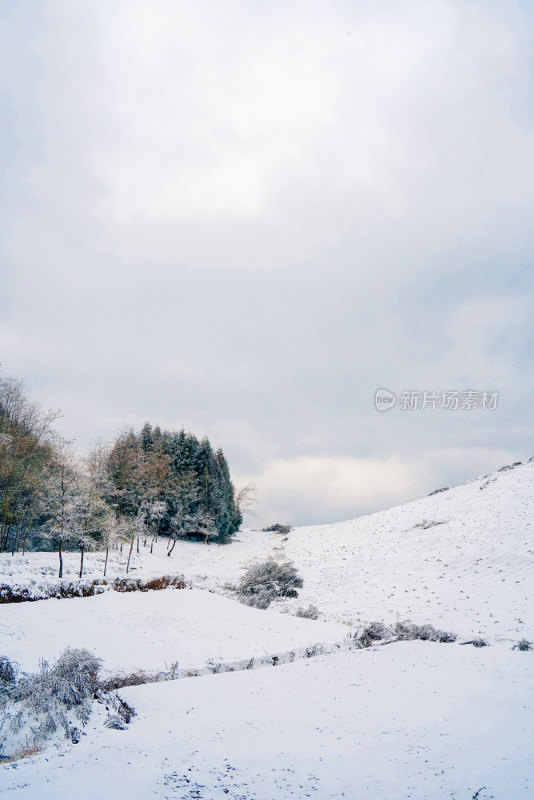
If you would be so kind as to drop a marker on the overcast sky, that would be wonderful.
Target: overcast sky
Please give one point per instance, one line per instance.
(246, 217)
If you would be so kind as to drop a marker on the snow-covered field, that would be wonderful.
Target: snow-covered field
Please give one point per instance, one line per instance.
(406, 720)
(152, 631)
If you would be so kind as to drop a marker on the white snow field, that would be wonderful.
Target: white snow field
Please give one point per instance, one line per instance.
(151, 631)
(405, 720)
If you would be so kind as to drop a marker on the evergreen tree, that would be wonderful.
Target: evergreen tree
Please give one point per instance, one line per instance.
(146, 438)
(178, 470)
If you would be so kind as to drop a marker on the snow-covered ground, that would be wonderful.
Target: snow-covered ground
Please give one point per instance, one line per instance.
(406, 720)
(151, 631)
(472, 572)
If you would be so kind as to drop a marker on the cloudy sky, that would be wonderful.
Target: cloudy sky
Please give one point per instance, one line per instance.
(246, 217)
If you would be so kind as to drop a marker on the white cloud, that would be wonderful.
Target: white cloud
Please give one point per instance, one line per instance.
(327, 489)
(245, 217)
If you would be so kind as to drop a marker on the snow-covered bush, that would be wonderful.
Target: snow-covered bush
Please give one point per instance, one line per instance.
(133, 679)
(277, 528)
(268, 581)
(123, 711)
(307, 613)
(35, 707)
(408, 630)
(8, 672)
(375, 632)
(399, 632)
(86, 587)
(523, 645)
(476, 642)
(429, 523)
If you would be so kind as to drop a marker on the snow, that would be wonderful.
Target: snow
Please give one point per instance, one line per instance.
(404, 720)
(153, 630)
(409, 720)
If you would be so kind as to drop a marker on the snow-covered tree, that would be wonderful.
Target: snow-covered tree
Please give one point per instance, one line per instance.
(25, 453)
(62, 498)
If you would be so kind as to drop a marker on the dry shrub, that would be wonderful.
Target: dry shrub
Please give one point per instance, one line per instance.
(133, 679)
(277, 528)
(162, 583)
(24, 752)
(17, 594)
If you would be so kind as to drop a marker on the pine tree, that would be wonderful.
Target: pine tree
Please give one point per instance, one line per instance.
(176, 469)
(146, 438)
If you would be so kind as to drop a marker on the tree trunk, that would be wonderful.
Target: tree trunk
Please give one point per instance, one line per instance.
(172, 548)
(60, 554)
(106, 561)
(26, 534)
(130, 553)
(82, 548)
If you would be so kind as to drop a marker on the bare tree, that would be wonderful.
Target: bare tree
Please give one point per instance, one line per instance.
(156, 512)
(62, 494)
(136, 526)
(246, 499)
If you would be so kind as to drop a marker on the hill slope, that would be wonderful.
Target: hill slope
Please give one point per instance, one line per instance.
(409, 720)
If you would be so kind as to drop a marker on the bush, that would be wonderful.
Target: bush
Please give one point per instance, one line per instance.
(24, 752)
(476, 642)
(426, 524)
(41, 704)
(268, 581)
(8, 672)
(138, 678)
(124, 712)
(375, 632)
(307, 613)
(407, 631)
(277, 528)
(523, 645)
(73, 680)
(82, 588)
(400, 632)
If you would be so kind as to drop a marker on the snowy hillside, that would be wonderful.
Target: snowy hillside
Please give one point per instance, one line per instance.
(408, 720)
(462, 558)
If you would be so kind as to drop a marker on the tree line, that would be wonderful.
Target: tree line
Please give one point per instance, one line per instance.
(144, 484)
